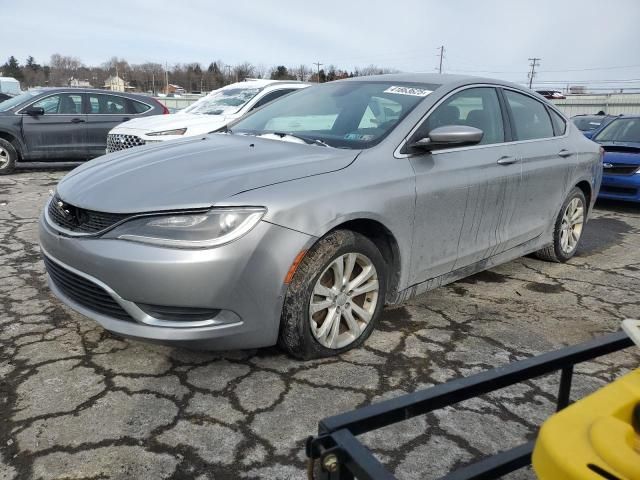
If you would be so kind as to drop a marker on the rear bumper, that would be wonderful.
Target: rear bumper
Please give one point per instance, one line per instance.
(621, 187)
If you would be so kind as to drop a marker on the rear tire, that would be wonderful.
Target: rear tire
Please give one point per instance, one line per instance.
(8, 157)
(345, 306)
(567, 229)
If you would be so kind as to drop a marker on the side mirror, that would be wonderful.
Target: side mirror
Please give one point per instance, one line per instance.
(449, 136)
(34, 111)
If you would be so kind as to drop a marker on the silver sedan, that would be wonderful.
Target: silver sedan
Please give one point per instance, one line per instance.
(298, 223)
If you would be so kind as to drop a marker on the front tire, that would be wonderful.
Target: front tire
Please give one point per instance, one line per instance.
(568, 228)
(334, 298)
(8, 157)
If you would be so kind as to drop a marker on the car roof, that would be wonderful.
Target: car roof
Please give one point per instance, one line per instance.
(82, 90)
(441, 79)
(261, 83)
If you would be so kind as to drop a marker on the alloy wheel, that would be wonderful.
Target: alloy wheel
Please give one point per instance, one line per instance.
(344, 300)
(4, 158)
(571, 227)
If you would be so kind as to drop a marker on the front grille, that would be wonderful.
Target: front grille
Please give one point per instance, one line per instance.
(84, 292)
(119, 141)
(632, 192)
(81, 220)
(621, 169)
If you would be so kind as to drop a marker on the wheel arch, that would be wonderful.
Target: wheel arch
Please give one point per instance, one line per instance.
(14, 140)
(586, 189)
(386, 242)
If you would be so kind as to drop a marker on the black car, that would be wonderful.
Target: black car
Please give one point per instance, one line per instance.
(65, 123)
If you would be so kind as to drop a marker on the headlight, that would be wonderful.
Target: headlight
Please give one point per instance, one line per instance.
(191, 230)
(177, 131)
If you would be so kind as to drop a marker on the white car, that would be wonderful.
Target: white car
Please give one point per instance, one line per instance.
(208, 114)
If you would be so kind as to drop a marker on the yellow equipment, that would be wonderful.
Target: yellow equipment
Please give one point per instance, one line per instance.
(596, 438)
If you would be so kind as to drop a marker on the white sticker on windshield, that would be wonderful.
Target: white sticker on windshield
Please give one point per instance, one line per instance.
(416, 92)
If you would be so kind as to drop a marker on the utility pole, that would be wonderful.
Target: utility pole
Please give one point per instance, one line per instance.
(166, 77)
(441, 57)
(534, 63)
(318, 64)
(228, 67)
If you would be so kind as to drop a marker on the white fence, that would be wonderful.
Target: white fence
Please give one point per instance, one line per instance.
(612, 103)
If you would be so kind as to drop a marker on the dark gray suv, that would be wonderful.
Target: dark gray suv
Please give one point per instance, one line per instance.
(65, 123)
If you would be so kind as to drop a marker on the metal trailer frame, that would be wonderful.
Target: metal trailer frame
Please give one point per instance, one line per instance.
(342, 456)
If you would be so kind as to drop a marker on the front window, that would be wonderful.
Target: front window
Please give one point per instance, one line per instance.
(354, 114)
(223, 102)
(620, 130)
(18, 100)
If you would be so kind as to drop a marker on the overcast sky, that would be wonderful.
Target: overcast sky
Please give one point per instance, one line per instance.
(577, 40)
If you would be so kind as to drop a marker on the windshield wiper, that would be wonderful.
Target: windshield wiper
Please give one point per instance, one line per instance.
(310, 141)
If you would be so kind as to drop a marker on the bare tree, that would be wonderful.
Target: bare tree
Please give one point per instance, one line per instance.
(302, 72)
(63, 69)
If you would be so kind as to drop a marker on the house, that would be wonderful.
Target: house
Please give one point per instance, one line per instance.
(116, 84)
(74, 82)
(173, 88)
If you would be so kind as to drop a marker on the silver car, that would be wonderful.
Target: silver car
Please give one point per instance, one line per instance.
(301, 221)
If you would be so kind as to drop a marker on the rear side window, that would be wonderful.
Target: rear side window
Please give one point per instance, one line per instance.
(559, 125)
(475, 107)
(107, 104)
(530, 117)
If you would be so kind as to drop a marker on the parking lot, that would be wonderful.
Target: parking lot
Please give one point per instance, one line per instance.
(77, 402)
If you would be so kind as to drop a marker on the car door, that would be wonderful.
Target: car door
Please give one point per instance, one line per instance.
(104, 112)
(546, 157)
(61, 132)
(464, 195)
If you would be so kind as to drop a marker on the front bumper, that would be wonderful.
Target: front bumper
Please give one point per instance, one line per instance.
(242, 281)
(621, 187)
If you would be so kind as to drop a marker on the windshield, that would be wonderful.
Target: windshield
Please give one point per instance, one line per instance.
(222, 101)
(587, 123)
(15, 101)
(352, 114)
(620, 130)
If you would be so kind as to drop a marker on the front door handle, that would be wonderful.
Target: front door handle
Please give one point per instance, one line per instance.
(126, 119)
(564, 153)
(77, 120)
(506, 160)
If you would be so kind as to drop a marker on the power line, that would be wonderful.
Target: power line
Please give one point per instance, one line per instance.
(534, 63)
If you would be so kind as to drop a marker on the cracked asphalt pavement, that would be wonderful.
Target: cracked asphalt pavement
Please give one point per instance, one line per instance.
(77, 402)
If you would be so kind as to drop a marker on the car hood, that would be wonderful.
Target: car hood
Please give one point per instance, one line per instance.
(158, 123)
(193, 173)
(627, 153)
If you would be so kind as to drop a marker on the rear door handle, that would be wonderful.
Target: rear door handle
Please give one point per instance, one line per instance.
(126, 119)
(506, 160)
(564, 153)
(77, 120)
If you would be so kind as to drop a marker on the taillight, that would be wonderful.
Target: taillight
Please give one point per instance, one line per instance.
(165, 110)
(601, 154)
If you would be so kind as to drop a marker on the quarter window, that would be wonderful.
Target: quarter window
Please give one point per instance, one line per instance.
(475, 107)
(530, 117)
(559, 125)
